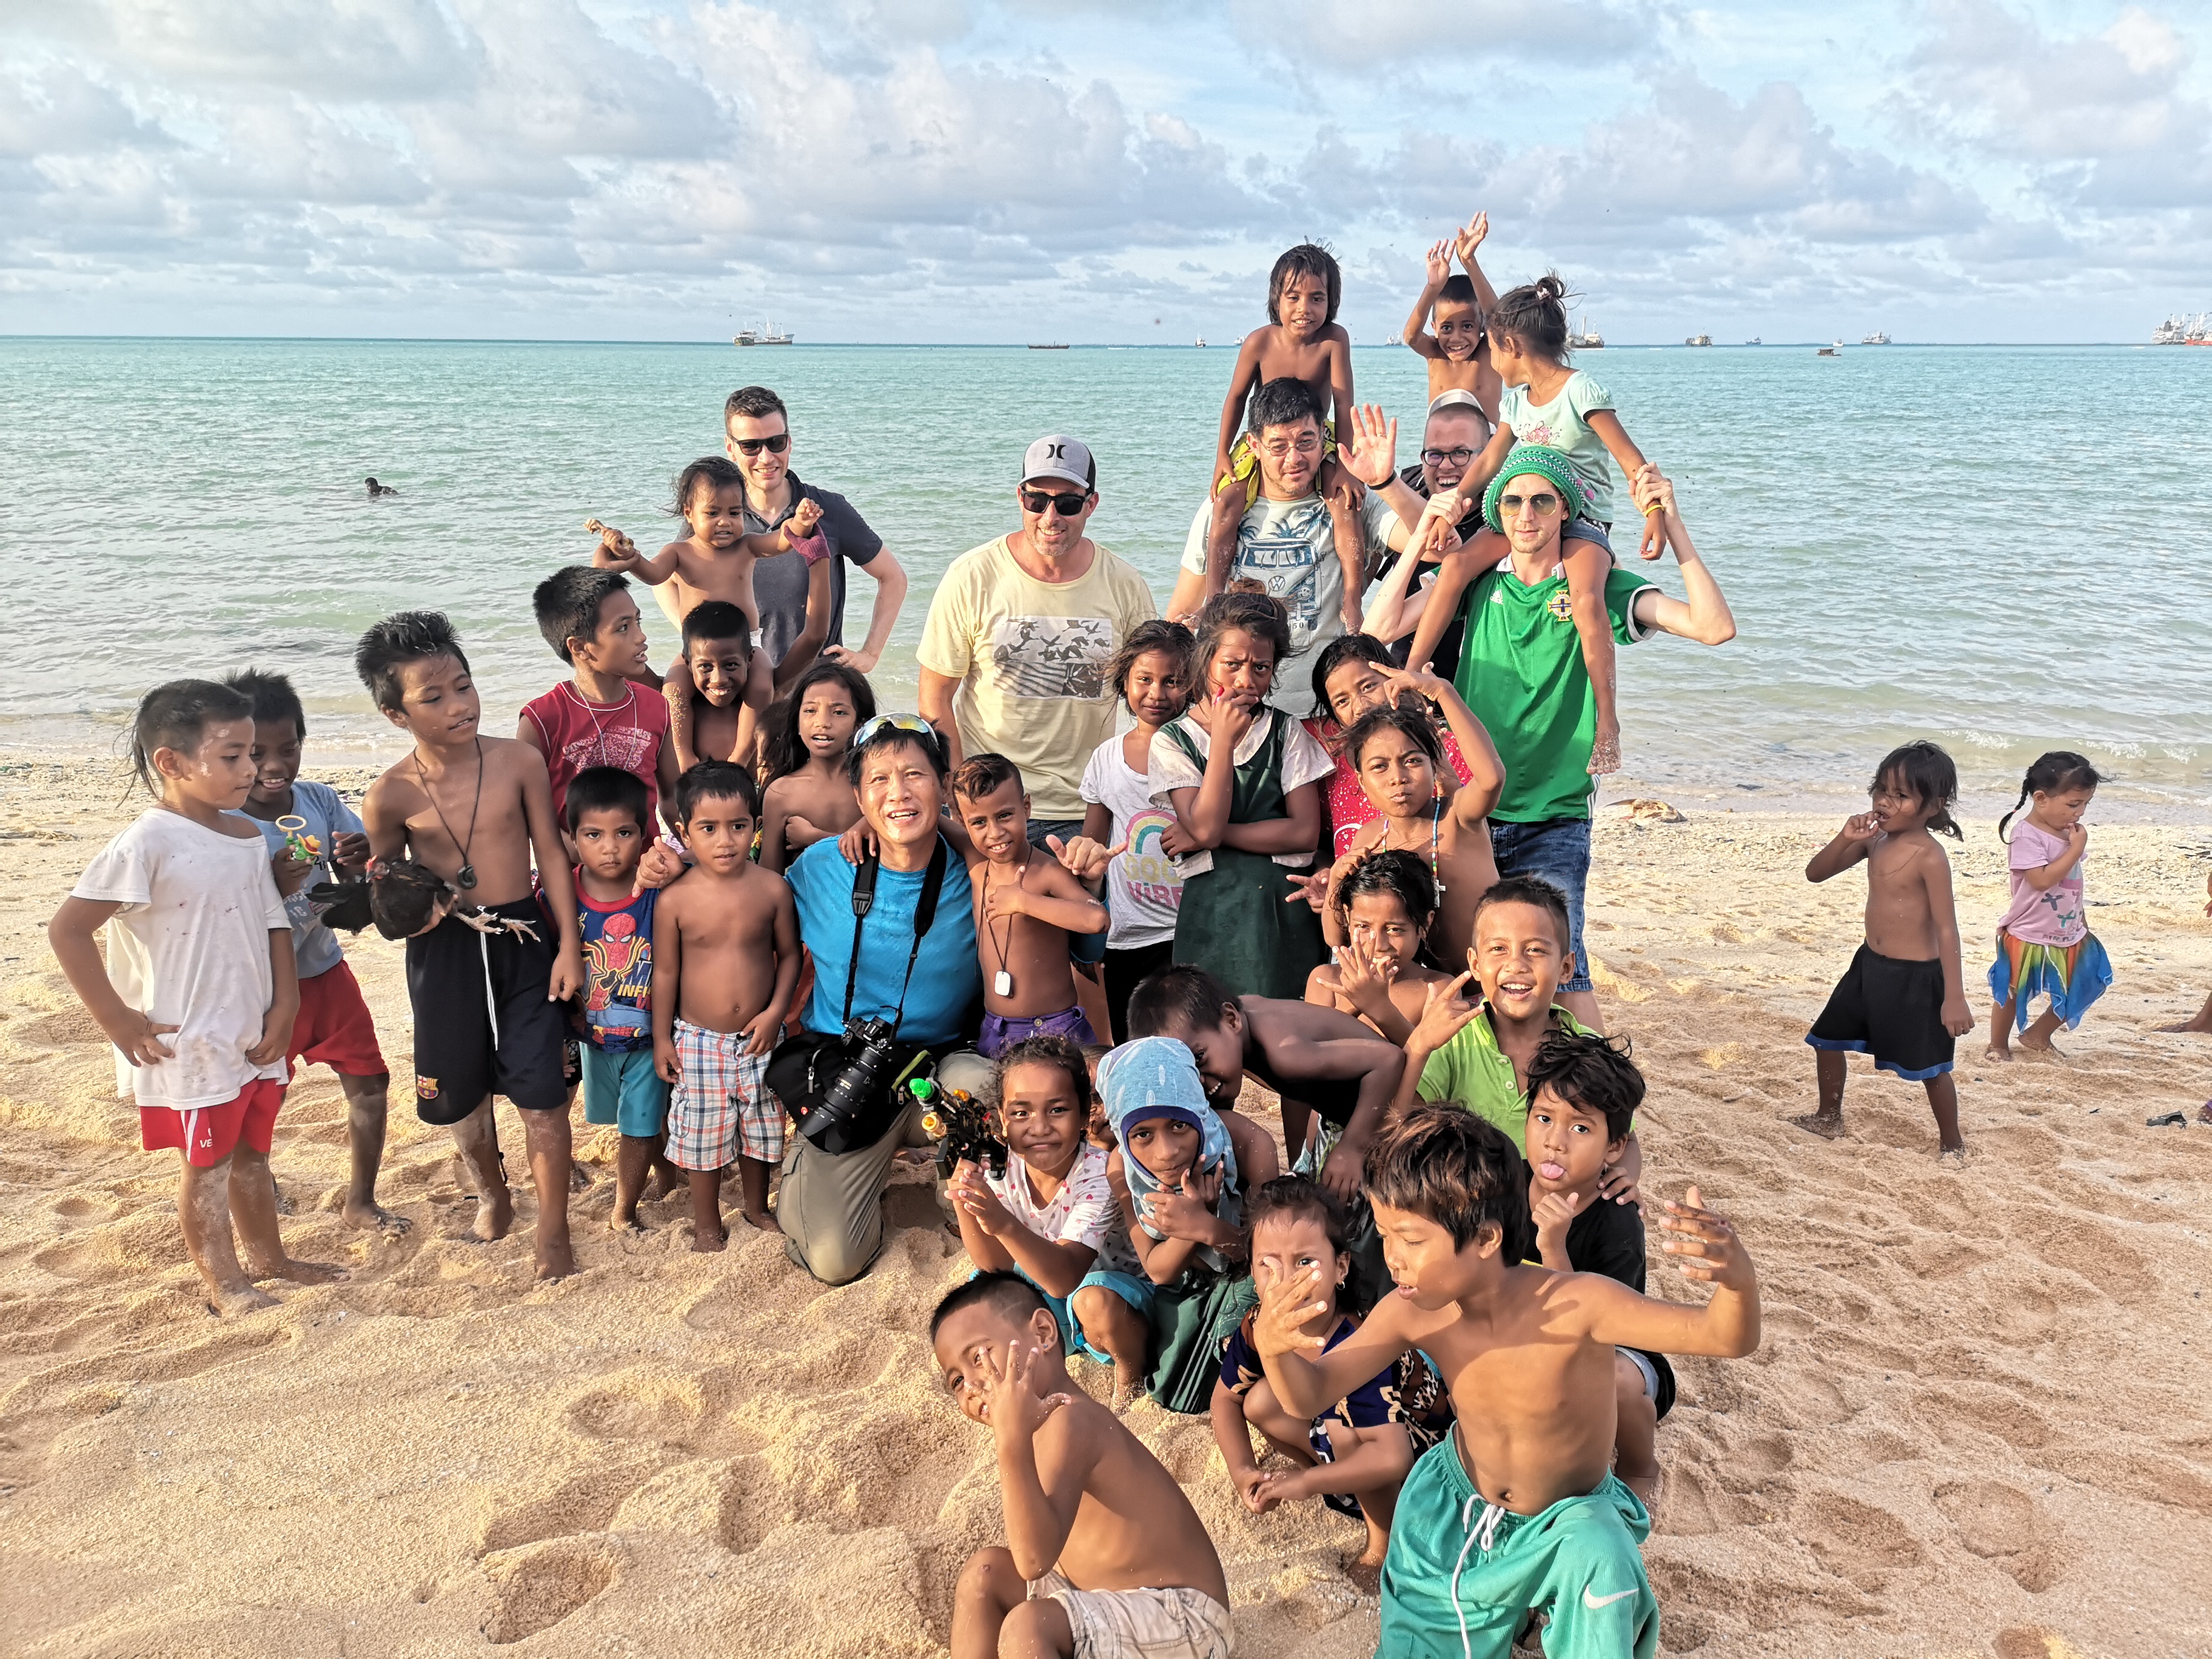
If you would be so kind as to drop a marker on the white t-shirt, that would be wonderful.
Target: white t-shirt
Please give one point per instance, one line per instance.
(190, 948)
(1290, 547)
(1144, 887)
(1304, 761)
(1083, 1212)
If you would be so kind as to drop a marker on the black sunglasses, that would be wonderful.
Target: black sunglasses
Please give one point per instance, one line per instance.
(774, 445)
(1036, 501)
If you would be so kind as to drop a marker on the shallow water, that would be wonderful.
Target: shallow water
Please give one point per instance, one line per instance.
(2004, 548)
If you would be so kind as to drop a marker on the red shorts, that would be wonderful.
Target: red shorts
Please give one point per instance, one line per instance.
(334, 1029)
(209, 1134)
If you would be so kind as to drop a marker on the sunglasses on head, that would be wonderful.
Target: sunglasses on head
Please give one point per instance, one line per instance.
(1068, 504)
(1543, 501)
(774, 445)
(913, 723)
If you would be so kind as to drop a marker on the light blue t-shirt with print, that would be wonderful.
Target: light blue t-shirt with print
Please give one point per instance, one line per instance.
(947, 975)
(315, 948)
(1564, 424)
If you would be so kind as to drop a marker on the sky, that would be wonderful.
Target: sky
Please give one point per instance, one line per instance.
(1015, 170)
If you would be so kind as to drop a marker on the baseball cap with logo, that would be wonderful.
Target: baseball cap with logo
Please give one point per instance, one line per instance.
(1060, 457)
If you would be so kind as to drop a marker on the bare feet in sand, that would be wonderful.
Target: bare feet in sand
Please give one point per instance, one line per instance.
(2197, 1025)
(625, 1223)
(373, 1217)
(2046, 1049)
(1829, 1126)
(494, 1215)
(763, 1220)
(232, 1303)
(1365, 1572)
(1997, 1056)
(1952, 1158)
(556, 1259)
(705, 1239)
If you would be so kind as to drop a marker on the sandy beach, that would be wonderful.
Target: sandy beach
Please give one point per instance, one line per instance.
(1975, 1426)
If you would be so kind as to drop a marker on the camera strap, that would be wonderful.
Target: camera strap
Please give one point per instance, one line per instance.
(925, 917)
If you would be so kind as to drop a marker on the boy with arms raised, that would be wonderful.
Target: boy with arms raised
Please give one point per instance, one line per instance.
(1458, 352)
(1104, 1556)
(334, 1027)
(1026, 907)
(1515, 1512)
(725, 967)
(474, 810)
(601, 716)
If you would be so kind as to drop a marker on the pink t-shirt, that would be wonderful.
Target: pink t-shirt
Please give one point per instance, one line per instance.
(577, 735)
(1349, 810)
(2057, 915)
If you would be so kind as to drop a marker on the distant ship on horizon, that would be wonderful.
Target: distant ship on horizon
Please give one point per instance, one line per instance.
(2185, 331)
(1875, 338)
(1583, 339)
(1699, 340)
(764, 335)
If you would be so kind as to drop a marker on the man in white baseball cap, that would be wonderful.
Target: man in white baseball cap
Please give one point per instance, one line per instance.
(1013, 656)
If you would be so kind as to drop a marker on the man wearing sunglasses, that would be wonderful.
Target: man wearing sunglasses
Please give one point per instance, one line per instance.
(758, 439)
(1013, 656)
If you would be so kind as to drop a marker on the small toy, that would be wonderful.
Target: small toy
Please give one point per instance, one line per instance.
(299, 846)
(961, 1129)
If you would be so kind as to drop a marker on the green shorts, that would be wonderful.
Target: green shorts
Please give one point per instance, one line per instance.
(624, 1090)
(1464, 1575)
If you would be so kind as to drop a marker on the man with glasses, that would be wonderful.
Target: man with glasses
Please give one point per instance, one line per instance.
(758, 439)
(1287, 540)
(1013, 656)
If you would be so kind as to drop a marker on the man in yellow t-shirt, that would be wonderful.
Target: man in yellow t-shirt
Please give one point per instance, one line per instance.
(1013, 656)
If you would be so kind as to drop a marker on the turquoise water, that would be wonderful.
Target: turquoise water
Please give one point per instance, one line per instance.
(2004, 548)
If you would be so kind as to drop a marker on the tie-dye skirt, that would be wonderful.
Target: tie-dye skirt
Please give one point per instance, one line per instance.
(2072, 975)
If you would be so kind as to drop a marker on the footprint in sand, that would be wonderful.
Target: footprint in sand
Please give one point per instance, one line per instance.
(1857, 1541)
(2001, 1524)
(536, 1587)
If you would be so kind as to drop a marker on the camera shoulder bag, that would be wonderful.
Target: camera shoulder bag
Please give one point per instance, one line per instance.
(802, 1068)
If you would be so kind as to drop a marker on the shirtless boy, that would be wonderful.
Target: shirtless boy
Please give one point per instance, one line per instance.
(718, 649)
(1458, 353)
(725, 965)
(1026, 906)
(1318, 1060)
(1104, 1556)
(1303, 341)
(487, 1017)
(1517, 1512)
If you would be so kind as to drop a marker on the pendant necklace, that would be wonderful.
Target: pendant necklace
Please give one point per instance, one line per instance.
(467, 878)
(1436, 870)
(1002, 982)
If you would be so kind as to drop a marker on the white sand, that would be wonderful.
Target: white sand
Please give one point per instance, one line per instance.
(1976, 1426)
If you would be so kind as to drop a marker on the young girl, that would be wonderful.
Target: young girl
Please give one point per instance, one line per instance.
(1385, 902)
(199, 995)
(1243, 779)
(809, 796)
(1303, 341)
(1179, 1171)
(1355, 1454)
(1151, 673)
(1550, 405)
(1399, 762)
(2044, 946)
(1904, 998)
(1053, 1216)
(1354, 676)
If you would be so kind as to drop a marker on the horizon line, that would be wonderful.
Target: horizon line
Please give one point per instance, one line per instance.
(992, 345)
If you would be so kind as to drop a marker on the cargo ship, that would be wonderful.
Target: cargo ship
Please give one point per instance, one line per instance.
(2185, 331)
(765, 335)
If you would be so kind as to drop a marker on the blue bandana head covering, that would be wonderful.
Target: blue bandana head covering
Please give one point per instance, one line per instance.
(1157, 1078)
(1552, 464)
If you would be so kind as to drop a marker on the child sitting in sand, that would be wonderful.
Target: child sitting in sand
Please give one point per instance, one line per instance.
(1583, 1096)
(1384, 904)
(600, 716)
(1517, 1512)
(1458, 353)
(1144, 886)
(1104, 1556)
(809, 795)
(1053, 1216)
(715, 561)
(1354, 676)
(609, 824)
(199, 993)
(718, 653)
(1241, 779)
(477, 812)
(1354, 1455)
(1303, 341)
(725, 969)
(333, 1027)
(2045, 947)
(1179, 1171)
(1401, 768)
(1026, 907)
(1318, 1060)
(1904, 998)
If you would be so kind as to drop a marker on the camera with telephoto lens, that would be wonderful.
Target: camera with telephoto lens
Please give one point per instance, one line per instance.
(867, 1076)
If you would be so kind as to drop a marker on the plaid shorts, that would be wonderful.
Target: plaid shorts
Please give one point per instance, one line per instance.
(722, 1105)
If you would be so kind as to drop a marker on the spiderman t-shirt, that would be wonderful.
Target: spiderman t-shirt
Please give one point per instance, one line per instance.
(618, 971)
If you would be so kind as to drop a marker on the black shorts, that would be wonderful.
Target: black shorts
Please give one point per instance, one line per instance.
(1892, 1010)
(456, 977)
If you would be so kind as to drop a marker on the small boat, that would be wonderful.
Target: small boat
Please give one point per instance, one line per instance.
(763, 336)
(1584, 340)
(1875, 338)
(1754, 340)
(1835, 351)
(1054, 347)
(1201, 343)
(1699, 340)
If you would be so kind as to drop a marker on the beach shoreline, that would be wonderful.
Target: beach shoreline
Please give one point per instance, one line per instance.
(1974, 1424)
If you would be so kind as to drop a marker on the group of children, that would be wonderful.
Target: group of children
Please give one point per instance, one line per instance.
(1433, 1320)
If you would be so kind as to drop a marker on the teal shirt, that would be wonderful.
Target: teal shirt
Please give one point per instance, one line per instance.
(1564, 424)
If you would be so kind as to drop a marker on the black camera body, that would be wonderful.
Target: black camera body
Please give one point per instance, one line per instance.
(867, 1075)
(962, 1128)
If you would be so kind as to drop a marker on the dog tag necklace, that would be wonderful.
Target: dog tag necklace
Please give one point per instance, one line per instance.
(467, 878)
(1002, 982)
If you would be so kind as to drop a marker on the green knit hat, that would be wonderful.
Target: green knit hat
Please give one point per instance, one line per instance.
(1534, 458)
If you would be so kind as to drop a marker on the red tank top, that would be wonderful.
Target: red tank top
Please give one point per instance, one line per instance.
(576, 734)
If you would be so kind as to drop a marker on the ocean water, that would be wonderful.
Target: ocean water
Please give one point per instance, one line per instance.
(2003, 549)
